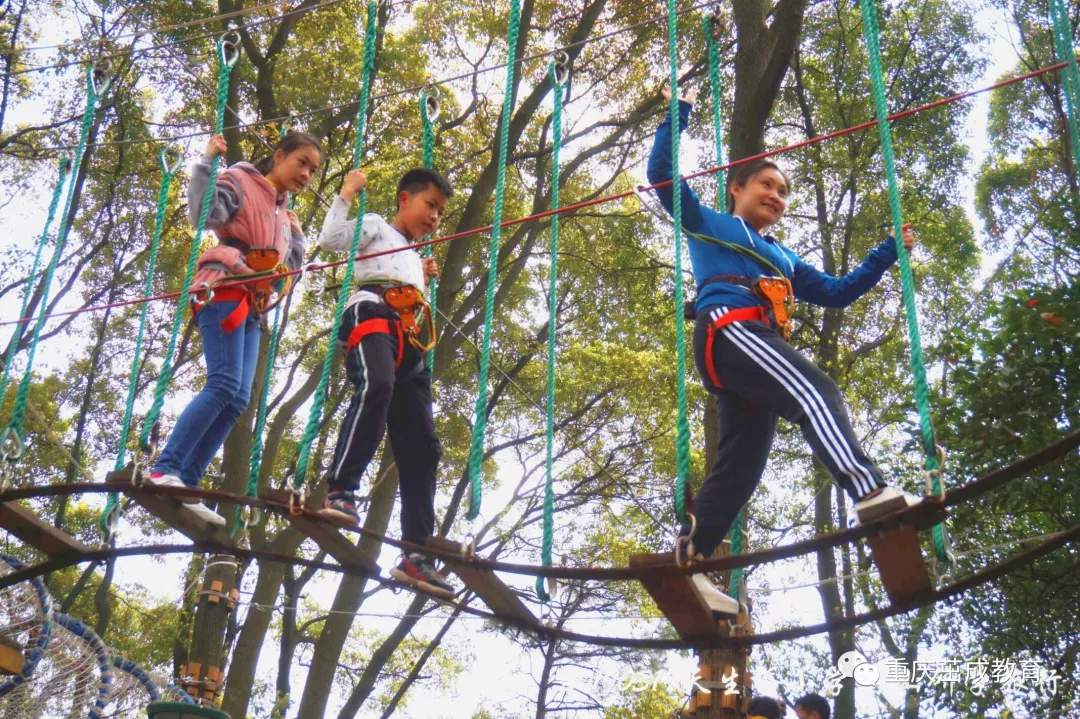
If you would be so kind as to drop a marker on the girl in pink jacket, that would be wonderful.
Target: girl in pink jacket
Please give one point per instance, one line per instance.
(255, 229)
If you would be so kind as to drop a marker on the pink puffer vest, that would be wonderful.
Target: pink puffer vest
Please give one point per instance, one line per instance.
(261, 222)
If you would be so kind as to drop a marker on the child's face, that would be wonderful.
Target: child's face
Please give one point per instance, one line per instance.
(293, 171)
(763, 199)
(419, 213)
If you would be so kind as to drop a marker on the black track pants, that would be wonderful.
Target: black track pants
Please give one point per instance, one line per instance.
(763, 378)
(388, 398)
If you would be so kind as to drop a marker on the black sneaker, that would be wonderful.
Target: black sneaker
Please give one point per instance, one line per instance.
(419, 571)
(342, 505)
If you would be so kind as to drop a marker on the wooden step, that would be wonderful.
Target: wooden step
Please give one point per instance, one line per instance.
(677, 597)
(326, 531)
(32, 529)
(171, 511)
(500, 598)
(900, 563)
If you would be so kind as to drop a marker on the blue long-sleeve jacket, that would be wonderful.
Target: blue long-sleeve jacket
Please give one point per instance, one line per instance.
(709, 259)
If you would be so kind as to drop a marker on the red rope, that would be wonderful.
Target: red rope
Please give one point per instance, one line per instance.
(566, 209)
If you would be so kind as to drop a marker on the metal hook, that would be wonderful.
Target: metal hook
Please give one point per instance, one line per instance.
(560, 67)
(112, 524)
(229, 48)
(468, 548)
(170, 159)
(296, 501)
(717, 26)
(684, 545)
(13, 439)
(430, 101)
(98, 79)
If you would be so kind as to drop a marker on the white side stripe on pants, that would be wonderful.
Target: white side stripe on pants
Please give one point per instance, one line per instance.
(809, 399)
(363, 396)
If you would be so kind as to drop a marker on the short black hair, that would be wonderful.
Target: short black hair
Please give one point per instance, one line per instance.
(419, 179)
(814, 703)
(767, 707)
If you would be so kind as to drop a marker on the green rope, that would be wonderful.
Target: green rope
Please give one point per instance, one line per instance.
(547, 542)
(476, 446)
(168, 171)
(682, 427)
(1070, 76)
(429, 162)
(14, 428)
(20, 328)
(709, 28)
(225, 66)
(315, 415)
(255, 461)
(931, 458)
(709, 25)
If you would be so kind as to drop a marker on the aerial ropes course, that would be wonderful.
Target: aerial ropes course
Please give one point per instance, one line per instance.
(37, 642)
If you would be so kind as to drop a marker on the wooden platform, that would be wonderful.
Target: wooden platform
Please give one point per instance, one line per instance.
(900, 563)
(328, 537)
(500, 598)
(36, 532)
(677, 597)
(172, 511)
(11, 657)
(896, 550)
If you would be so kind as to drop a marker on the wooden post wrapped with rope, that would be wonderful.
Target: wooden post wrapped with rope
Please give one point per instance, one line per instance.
(722, 686)
(204, 675)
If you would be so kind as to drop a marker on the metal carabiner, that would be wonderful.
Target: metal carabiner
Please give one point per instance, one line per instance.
(560, 67)
(297, 498)
(684, 545)
(929, 474)
(717, 26)
(429, 101)
(229, 48)
(12, 445)
(170, 159)
(468, 548)
(98, 79)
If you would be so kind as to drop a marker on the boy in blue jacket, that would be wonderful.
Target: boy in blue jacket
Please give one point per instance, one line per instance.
(746, 283)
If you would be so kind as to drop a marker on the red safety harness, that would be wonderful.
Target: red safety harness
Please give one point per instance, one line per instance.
(756, 313)
(378, 325)
(240, 313)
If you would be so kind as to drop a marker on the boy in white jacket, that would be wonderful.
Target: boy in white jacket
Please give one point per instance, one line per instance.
(393, 385)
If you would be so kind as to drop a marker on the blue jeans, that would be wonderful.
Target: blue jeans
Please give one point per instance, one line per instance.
(205, 423)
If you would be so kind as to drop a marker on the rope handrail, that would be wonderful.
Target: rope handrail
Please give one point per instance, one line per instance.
(573, 207)
(994, 571)
(964, 493)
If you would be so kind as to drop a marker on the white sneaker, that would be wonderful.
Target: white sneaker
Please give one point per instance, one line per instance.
(171, 480)
(887, 500)
(206, 514)
(716, 600)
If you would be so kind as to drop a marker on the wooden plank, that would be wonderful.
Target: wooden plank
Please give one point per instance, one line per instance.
(11, 656)
(899, 560)
(36, 532)
(485, 583)
(173, 512)
(676, 596)
(319, 529)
